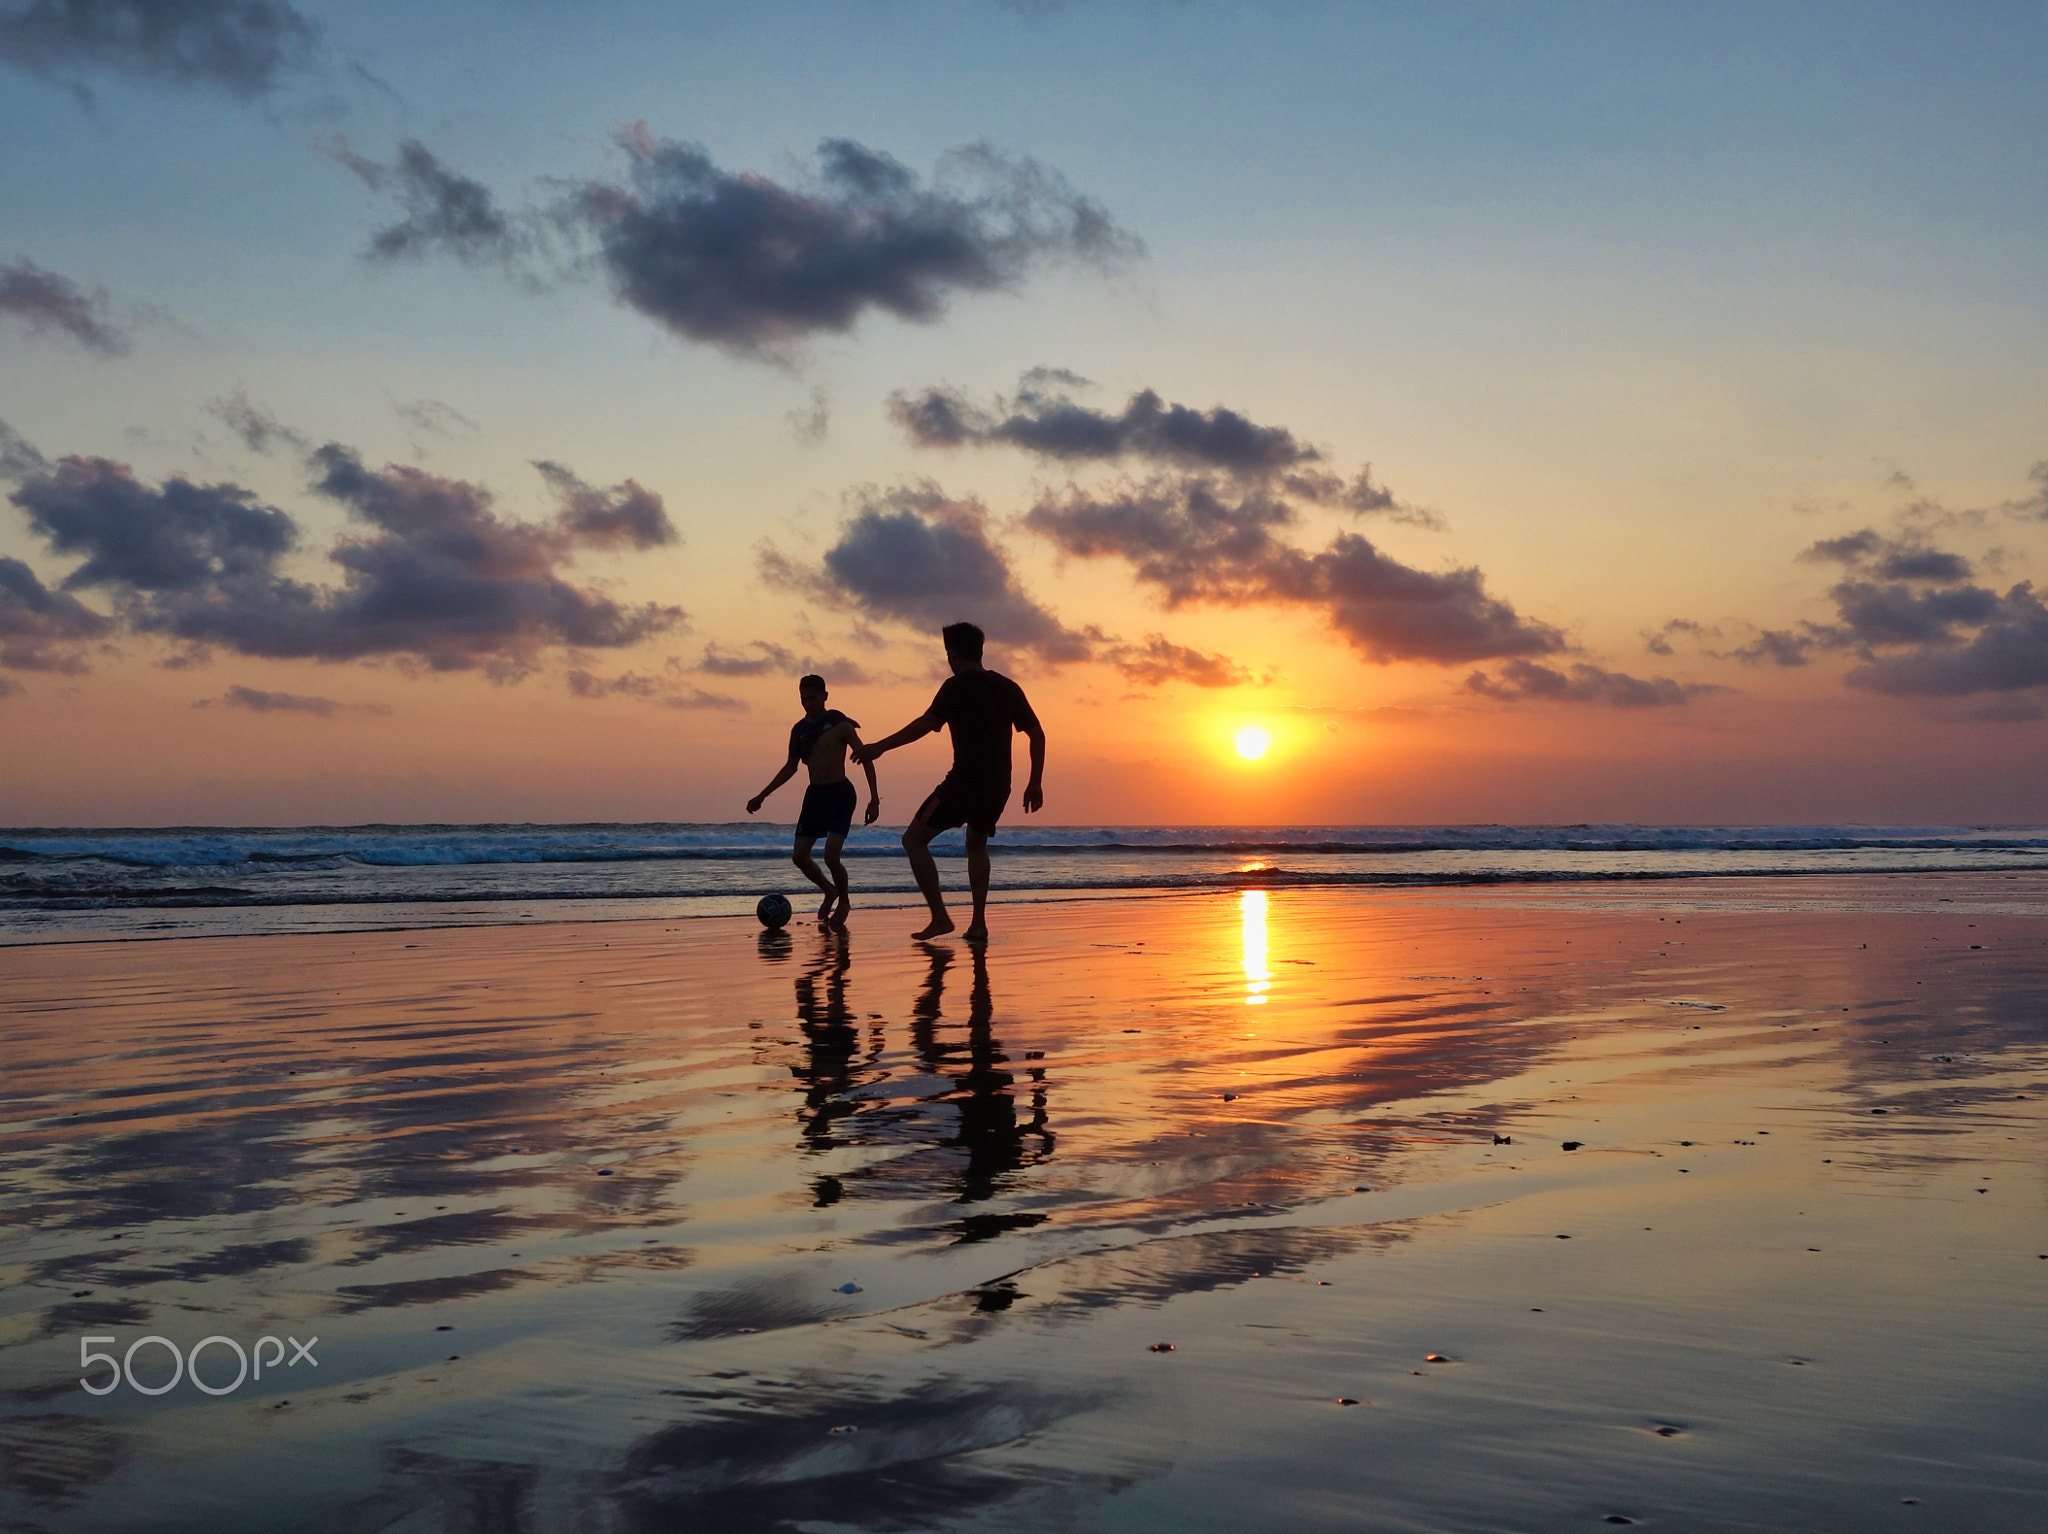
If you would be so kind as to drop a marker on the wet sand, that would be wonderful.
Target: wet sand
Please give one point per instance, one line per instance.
(666, 1225)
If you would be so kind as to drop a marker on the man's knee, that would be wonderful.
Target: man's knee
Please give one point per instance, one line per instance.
(800, 854)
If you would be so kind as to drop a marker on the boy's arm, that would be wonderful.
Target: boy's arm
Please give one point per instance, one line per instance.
(874, 792)
(788, 771)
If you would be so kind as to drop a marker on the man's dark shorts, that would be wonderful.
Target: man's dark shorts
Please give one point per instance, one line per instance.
(828, 809)
(977, 806)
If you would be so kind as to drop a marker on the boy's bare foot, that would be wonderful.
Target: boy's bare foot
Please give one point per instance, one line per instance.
(940, 925)
(977, 932)
(825, 910)
(838, 915)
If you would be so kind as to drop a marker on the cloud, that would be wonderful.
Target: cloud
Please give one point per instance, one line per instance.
(40, 629)
(1659, 643)
(259, 430)
(774, 660)
(1198, 543)
(1049, 423)
(446, 212)
(653, 689)
(1891, 559)
(1159, 661)
(240, 46)
(260, 702)
(915, 555)
(19, 459)
(1043, 419)
(625, 515)
(746, 263)
(1778, 647)
(434, 418)
(437, 576)
(44, 303)
(811, 424)
(1525, 681)
(2007, 653)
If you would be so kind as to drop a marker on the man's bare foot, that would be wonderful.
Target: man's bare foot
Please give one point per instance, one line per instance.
(825, 910)
(837, 918)
(977, 932)
(940, 925)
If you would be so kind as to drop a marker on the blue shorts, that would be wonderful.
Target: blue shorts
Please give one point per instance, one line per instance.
(827, 811)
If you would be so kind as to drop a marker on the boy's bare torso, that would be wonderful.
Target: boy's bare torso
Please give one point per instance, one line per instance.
(827, 758)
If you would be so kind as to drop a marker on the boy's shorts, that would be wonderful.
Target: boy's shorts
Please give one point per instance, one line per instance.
(828, 810)
(977, 806)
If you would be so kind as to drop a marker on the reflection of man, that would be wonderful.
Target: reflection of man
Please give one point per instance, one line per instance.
(990, 1131)
(831, 1042)
(981, 708)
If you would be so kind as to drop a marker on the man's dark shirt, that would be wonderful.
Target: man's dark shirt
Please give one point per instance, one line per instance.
(981, 708)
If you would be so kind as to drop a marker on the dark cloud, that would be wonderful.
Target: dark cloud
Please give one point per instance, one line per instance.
(1049, 423)
(259, 430)
(770, 659)
(1525, 681)
(746, 263)
(1889, 559)
(259, 702)
(1158, 661)
(19, 459)
(1197, 543)
(1776, 647)
(439, 577)
(1044, 419)
(46, 304)
(652, 689)
(40, 629)
(626, 515)
(915, 555)
(241, 46)
(1659, 643)
(1871, 615)
(2007, 653)
(446, 212)
(434, 418)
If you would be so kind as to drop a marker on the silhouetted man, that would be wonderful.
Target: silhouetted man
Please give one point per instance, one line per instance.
(981, 708)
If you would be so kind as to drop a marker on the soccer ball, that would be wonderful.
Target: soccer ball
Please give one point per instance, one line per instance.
(773, 911)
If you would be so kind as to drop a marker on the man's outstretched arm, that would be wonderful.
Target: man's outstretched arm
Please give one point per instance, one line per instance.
(917, 729)
(788, 771)
(1034, 791)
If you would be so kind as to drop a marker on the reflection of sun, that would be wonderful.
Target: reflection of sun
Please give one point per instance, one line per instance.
(1252, 742)
(1258, 979)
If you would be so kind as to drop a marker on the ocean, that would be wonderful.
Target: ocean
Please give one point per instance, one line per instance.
(81, 884)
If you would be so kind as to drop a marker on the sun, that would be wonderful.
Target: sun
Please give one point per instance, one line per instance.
(1252, 742)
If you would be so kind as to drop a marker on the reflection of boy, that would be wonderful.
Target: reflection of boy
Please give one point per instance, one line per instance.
(819, 741)
(981, 708)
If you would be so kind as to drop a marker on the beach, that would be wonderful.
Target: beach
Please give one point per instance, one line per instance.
(1698, 1203)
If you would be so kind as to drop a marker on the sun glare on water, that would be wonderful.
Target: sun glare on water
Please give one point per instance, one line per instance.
(1252, 742)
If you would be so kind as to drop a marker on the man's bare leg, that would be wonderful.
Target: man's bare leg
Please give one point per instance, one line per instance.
(801, 856)
(917, 846)
(836, 908)
(977, 881)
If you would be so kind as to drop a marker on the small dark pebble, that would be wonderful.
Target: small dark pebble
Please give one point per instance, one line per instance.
(604, 1171)
(1322, 1283)
(1668, 1431)
(1880, 1110)
(1618, 1518)
(1160, 1347)
(1909, 1501)
(1347, 1401)
(1361, 1188)
(79, 1294)
(849, 1428)
(1034, 1054)
(1564, 1238)
(444, 1328)
(1503, 1139)
(1130, 1030)
(453, 1356)
(1230, 1097)
(1573, 1144)
(1685, 1142)
(1535, 1310)
(1435, 1358)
